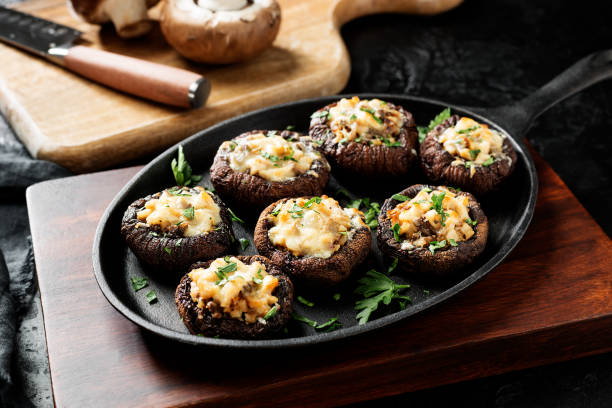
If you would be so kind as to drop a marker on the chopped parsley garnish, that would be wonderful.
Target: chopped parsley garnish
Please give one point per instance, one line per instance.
(469, 164)
(179, 223)
(153, 233)
(319, 114)
(151, 296)
(488, 162)
(168, 250)
(396, 232)
(425, 291)
(471, 222)
(258, 279)
(353, 117)
(468, 130)
(372, 113)
(222, 271)
(270, 157)
(372, 209)
(277, 209)
(427, 190)
(304, 320)
(189, 213)
(244, 243)
(178, 242)
(139, 283)
(441, 117)
(452, 242)
(296, 211)
(318, 142)
(271, 312)
(433, 245)
(474, 153)
(393, 265)
(290, 127)
(400, 197)
(178, 192)
(336, 297)
(234, 216)
(303, 301)
(233, 146)
(388, 143)
(182, 170)
(309, 203)
(376, 288)
(356, 203)
(330, 325)
(436, 201)
(271, 133)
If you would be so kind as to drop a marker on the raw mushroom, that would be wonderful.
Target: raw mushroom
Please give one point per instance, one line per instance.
(129, 16)
(220, 31)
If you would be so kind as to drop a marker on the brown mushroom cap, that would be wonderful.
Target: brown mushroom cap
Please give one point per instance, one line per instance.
(129, 16)
(443, 263)
(220, 36)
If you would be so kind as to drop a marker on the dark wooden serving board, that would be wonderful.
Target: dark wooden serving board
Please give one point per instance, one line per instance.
(551, 300)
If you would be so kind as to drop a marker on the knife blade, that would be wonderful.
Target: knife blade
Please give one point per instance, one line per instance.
(55, 42)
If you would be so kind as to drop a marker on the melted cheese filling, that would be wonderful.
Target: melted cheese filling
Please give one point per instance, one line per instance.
(421, 224)
(192, 210)
(270, 157)
(368, 121)
(229, 287)
(473, 144)
(315, 227)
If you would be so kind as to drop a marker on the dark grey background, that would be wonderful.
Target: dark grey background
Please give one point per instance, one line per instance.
(485, 53)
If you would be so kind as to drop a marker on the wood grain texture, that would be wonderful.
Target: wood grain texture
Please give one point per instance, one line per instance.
(551, 300)
(45, 104)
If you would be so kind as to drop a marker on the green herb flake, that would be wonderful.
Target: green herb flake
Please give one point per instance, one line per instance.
(151, 296)
(471, 222)
(330, 325)
(437, 205)
(372, 113)
(271, 312)
(425, 291)
(270, 157)
(488, 162)
(474, 153)
(319, 114)
(313, 200)
(400, 197)
(189, 213)
(139, 283)
(393, 265)
(441, 117)
(258, 279)
(182, 170)
(468, 130)
(271, 133)
(303, 301)
(356, 203)
(178, 242)
(277, 209)
(433, 245)
(234, 217)
(336, 297)
(377, 288)
(179, 223)
(353, 117)
(168, 250)
(427, 190)
(303, 319)
(453, 242)
(396, 232)
(290, 127)
(244, 243)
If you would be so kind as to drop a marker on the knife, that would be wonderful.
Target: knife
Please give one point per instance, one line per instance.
(157, 82)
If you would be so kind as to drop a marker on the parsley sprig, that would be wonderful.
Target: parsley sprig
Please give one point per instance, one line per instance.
(182, 170)
(377, 288)
(441, 117)
(372, 209)
(436, 204)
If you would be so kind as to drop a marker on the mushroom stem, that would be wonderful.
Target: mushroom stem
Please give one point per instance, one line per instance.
(129, 17)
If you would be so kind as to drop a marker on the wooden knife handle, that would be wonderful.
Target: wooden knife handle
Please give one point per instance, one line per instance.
(157, 82)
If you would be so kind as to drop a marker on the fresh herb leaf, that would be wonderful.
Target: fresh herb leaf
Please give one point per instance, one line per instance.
(234, 216)
(151, 296)
(179, 223)
(400, 197)
(376, 288)
(189, 213)
(319, 114)
(168, 250)
(469, 164)
(139, 283)
(474, 153)
(305, 302)
(396, 232)
(441, 117)
(353, 117)
(433, 245)
(468, 130)
(452, 242)
(425, 291)
(309, 203)
(393, 265)
(182, 170)
(488, 162)
(388, 143)
(372, 113)
(277, 209)
(258, 279)
(304, 320)
(436, 201)
(244, 243)
(356, 203)
(225, 269)
(471, 222)
(336, 297)
(427, 190)
(178, 242)
(270, 157)
(271, 133)
(330, 325)
(271, 312)
(290, 127)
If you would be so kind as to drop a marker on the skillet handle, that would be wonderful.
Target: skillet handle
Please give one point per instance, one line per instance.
(590, 70)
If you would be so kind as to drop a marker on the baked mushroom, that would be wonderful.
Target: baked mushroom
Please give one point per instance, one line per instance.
(128, 16)
(370, 138)
(220, 31)
(432, 231)
(467, 154)
(262, 166)
(172, 229)
(245, 297)
(313, 239)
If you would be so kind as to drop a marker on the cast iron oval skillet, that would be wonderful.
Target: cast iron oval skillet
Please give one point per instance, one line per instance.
(509, 212)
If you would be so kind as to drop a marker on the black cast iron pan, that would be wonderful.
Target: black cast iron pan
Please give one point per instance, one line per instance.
(509, 212)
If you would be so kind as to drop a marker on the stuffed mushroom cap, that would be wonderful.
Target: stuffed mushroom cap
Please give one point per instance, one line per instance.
(313, 239)
(433, 231)
(262, 166)
(467, 154)
(245, 297)
(369, 138)
(172, 229)
(220, 31)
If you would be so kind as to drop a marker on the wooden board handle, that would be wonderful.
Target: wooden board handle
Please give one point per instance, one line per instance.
(347, 10)
(157, 82)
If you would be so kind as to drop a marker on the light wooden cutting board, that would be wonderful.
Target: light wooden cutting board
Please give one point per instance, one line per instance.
(85, 126)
